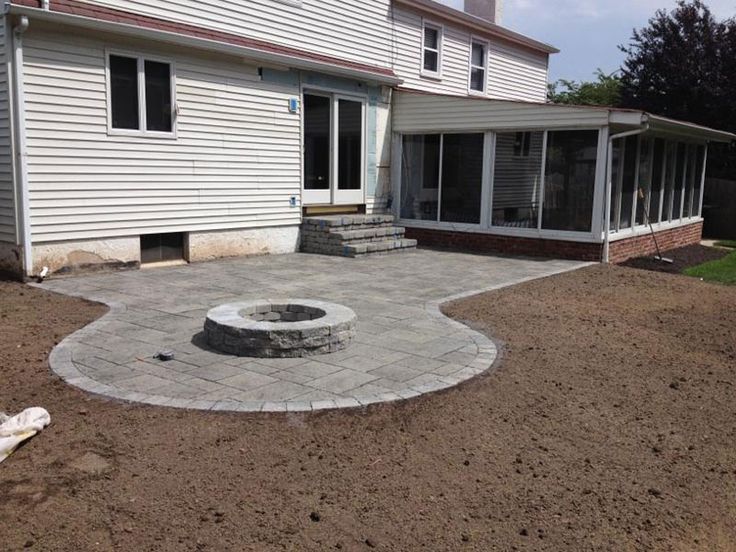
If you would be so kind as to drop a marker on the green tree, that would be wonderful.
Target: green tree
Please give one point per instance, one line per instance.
(683, 65)
(606, 90)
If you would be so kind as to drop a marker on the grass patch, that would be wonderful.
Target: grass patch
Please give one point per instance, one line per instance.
(726, 243)
(722, 270)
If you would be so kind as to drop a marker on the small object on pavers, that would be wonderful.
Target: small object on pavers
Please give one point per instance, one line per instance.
(165, 355)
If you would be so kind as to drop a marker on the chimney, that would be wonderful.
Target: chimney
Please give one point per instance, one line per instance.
(490, 10)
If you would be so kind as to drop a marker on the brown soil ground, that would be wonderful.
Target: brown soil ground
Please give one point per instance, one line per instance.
(683, 257)
(608, 425)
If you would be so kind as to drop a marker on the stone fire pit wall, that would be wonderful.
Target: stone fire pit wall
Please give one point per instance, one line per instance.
(288, 328)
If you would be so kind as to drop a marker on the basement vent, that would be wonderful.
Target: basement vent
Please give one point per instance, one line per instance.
(156, 248)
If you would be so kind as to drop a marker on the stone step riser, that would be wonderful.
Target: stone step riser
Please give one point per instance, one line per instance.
(354, 236)
(358, 250)
(344, 227)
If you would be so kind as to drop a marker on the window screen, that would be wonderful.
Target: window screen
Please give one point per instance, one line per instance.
(158, 96)
(478, 67)
(431, 49)
(124, 92)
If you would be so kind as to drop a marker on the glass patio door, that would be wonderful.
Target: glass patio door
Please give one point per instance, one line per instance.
(334, 149)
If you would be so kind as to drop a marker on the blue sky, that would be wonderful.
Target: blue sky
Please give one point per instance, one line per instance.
(586, 31)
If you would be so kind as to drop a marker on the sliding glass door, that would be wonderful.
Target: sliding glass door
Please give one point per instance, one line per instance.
(334, 149)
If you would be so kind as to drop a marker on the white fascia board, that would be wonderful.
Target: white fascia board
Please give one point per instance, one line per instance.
(668, 126)
(663, 124)
(204, 44)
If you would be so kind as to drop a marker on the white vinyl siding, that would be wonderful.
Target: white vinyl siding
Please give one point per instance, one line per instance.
(468, 114)
(372, 32)
(7, 198)
(235, 163)
(514, 73)
(357, 31)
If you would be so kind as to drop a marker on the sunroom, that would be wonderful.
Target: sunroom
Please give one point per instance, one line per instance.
(544, 179)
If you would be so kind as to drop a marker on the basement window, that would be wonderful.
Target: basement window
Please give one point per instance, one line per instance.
(140, 96)
(157, 248)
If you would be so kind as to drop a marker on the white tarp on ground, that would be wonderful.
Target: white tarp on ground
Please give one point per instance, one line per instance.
(16, 429)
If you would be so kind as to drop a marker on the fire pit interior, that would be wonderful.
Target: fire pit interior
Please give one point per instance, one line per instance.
(289, 328)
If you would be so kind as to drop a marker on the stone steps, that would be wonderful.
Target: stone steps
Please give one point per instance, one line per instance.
(353, 235)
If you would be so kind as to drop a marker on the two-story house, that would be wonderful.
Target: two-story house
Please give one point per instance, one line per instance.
(194, 129)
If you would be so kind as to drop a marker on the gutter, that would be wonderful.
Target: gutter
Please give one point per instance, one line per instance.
(609, 184)
(256, 54)
(19, 144)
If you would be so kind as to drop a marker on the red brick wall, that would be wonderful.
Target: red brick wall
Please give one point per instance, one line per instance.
(641, 246)
(490, 243)
(620, 250)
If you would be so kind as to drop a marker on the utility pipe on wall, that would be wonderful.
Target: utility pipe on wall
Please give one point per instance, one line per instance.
(19, 143)
(609, 185)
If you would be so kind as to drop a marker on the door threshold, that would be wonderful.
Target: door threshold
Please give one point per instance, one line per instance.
(311, 210)
(164, 264)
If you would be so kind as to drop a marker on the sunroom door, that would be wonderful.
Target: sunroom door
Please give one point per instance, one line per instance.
(334, 150)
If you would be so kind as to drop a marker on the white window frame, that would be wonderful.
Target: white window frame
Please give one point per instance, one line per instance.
(440, 40)
(142, 131)
(335, 196)
(660, 220)
(486, 47)
(486, 225)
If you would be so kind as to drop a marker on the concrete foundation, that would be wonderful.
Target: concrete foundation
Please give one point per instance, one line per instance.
(207, 246)
(122, 253)
(85, 255)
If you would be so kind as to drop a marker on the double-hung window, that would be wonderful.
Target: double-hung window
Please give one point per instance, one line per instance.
(140, 96)
(431, 50)
(478, 66)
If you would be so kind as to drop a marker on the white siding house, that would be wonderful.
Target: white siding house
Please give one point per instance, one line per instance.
(132, 131)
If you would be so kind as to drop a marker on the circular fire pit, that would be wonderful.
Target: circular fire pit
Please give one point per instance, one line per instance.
(290, 328)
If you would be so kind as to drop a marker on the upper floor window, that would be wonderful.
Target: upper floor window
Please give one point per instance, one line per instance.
(432, 50)
(478, 64)
(140, 96)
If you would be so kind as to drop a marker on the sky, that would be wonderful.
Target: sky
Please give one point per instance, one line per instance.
(587, 32)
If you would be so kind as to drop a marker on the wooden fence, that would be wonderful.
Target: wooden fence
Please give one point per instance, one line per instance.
(719, 209)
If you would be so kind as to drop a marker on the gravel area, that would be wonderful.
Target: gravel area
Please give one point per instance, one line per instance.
(607, 425)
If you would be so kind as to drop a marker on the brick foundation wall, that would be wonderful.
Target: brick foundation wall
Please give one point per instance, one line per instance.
(491, 243)
(641, 246)
(619, 252)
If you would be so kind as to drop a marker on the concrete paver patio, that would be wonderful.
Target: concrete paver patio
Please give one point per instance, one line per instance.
(404, 346)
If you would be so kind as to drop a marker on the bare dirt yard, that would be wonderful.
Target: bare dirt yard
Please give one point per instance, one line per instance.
(609, 424)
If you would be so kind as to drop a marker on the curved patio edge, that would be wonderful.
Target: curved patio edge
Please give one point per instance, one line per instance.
(62, 364)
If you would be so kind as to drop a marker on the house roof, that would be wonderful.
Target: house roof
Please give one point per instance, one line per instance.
(477, 24)
(75, 12)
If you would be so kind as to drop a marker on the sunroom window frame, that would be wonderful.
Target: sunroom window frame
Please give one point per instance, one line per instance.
(662, 220)
(486, 47)
(427, 23)
(486, 224)
(142, 130)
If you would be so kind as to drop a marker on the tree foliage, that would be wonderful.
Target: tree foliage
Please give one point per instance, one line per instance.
(606, 90)
(683, 65)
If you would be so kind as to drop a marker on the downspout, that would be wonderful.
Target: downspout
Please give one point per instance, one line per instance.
(609, 185)
(21, 155)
